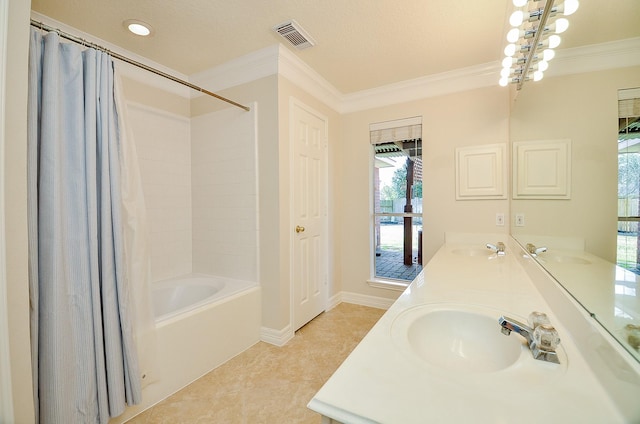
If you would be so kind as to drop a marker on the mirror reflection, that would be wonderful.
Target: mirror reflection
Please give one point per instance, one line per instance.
(588, 240)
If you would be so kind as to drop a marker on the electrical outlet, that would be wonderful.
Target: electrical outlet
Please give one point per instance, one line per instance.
(500, 219)
(519, 220)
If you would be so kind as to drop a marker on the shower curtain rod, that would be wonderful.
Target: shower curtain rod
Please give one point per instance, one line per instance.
(86, 43)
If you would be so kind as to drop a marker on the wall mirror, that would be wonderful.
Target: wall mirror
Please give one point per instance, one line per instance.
(582, 232)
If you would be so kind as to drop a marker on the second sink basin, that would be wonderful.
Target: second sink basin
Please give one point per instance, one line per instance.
(458, 340)
(563, 259)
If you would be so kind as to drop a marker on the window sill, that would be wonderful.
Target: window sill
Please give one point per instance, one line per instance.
(388, 284)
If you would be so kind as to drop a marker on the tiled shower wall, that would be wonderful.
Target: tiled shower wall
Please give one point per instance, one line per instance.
(164, 154)
(225, 232)
(199, 182)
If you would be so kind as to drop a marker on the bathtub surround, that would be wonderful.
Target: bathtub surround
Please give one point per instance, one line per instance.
(164, 152)
(199, 183)
(225, 193)
(83, 353)
(266, 383)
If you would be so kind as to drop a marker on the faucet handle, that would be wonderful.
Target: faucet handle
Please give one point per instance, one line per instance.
(538, 318)
(546, 337)
(498, 248)
(533, 250)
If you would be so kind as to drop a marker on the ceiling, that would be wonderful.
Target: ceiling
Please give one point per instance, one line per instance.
(360, 44)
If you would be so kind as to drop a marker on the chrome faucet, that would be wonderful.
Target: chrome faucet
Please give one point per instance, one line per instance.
(498, 248)
(542, 339)
(533, 250)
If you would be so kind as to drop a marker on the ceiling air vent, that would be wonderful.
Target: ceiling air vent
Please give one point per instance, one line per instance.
(292, 31)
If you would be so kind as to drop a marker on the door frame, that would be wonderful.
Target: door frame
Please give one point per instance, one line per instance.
(6, 393)
(293, 103)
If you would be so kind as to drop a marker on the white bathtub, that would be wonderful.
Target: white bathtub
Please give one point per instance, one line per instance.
(177, 296)
(201, 322)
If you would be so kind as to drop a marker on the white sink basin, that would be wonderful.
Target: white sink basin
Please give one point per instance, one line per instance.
(463, 343)
(459, 340)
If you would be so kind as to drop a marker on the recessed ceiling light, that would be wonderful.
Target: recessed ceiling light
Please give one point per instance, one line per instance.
(138, 27)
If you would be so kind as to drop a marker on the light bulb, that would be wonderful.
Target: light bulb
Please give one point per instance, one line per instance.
(548, 54)
(513, 35)
(138, 27)
(519, 3)
(570, 6)
(538, 75)
(543, 65)
(507, 62)
(554, 41)
(504, 81)
(516, 18)
(505, 72)
(561, 25)
(510, 50)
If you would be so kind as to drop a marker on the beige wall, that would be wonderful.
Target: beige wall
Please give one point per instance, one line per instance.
(469, 118)
(143, 94)
(15, 179)
(583, 108)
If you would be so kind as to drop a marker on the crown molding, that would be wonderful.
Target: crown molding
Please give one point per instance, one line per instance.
(242, 70)
(596, 57)
(424, 87)
(304, 76)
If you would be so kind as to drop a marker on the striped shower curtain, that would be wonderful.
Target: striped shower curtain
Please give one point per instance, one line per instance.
(84, 359)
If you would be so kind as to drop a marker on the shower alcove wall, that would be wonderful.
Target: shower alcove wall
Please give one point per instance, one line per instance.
(200, 190)
(199, 184)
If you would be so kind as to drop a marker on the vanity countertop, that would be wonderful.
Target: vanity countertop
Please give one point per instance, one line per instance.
(381, 383)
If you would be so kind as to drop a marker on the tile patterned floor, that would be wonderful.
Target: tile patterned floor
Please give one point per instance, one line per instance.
(269, 384)
(390, 264)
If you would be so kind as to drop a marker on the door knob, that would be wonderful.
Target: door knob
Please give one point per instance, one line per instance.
(299, 229)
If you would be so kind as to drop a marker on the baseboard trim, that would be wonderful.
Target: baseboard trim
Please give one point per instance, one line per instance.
(361, 299)
(276, 337)
(281, 337)
(334, 301)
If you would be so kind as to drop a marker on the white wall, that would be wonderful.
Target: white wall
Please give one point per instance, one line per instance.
(15, 180)
(164, 153)
(225, 197)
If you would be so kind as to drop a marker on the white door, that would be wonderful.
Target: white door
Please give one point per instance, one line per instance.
(309, 216)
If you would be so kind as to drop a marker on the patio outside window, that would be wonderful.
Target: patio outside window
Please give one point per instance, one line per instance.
(397, 193)
(628, 253)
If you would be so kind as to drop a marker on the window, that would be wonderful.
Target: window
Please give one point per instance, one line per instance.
(397, 194)
(628, 178)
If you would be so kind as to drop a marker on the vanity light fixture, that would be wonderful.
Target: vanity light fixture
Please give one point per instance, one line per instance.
(532, 38)
(137, 27)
